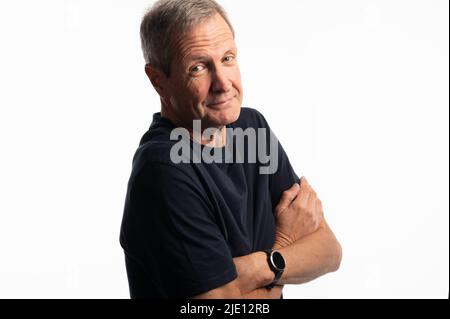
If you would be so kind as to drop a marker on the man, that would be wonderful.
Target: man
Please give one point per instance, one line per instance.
(220, 229)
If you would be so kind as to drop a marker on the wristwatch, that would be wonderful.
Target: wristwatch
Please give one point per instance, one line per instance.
(276, 264)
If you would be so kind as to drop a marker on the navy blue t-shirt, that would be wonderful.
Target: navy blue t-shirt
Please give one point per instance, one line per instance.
(184, 222)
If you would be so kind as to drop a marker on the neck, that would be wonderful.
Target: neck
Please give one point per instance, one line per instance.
(218, 138)
(215, 138)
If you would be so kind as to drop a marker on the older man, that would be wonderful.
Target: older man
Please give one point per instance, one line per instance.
(213, 229)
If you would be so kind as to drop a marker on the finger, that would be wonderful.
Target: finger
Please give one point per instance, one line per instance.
(308, 187)
(311, 203)
(312, 198)
(319, 208)
(287, 197)
(307, 184)
(304, 180)
(319, 205)
(304, 194)
(304, 184)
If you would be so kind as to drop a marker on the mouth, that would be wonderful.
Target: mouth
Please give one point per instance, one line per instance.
(220, 104)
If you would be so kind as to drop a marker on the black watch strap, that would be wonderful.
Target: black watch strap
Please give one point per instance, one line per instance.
(278, 271)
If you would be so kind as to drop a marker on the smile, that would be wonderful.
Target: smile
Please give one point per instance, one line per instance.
(220, 104)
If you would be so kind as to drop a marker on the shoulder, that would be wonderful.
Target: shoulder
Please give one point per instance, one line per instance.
(154, 154)
(160, 172)
(153, 151)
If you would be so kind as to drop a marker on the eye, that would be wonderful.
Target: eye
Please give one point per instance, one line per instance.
(197, 68)
(228, 59)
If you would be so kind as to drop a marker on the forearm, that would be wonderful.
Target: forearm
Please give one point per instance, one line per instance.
(311, 256)
(253, 275)
(253, 272)
(263, 293)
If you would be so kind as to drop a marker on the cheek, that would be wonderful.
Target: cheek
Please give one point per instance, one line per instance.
(199, 89)
(236, 78)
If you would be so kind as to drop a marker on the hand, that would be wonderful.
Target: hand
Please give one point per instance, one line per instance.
(298, 214)
(253, 274)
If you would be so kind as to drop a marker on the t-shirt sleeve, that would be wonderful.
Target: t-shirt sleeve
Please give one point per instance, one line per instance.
(172, 230)
(284, 177)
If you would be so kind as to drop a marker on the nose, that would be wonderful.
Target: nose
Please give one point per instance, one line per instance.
(220, 83)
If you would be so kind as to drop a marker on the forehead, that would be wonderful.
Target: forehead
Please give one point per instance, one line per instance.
(209, 36)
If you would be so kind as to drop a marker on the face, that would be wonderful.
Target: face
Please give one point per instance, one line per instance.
(205, 81)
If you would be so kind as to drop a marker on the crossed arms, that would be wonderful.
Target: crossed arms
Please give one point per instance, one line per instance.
(304, 239)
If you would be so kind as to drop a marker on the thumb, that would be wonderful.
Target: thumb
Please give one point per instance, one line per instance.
(287, 198)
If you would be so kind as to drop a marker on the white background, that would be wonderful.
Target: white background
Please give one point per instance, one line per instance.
(356, 91)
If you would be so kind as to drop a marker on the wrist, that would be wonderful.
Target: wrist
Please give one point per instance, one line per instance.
(277, 264)
(282, 240)
(277, 246)
(262, 270)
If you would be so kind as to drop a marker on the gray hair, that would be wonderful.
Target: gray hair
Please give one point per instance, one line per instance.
(169, 18)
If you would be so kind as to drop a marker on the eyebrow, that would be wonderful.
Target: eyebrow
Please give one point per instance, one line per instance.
(231, 51)
(197, 57)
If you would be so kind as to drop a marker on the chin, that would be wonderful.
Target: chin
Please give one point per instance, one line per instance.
(225, 117)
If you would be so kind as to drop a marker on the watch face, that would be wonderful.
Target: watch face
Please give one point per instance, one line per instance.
(278, 260)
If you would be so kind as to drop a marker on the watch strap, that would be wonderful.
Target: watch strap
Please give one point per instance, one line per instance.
(277, 272)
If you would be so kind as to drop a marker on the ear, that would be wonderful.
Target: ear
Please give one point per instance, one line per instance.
(157, 78)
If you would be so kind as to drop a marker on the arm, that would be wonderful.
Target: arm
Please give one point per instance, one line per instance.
(303, 237)
(253, 273)
(311, 256)
(232, 291)
(306, 259)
